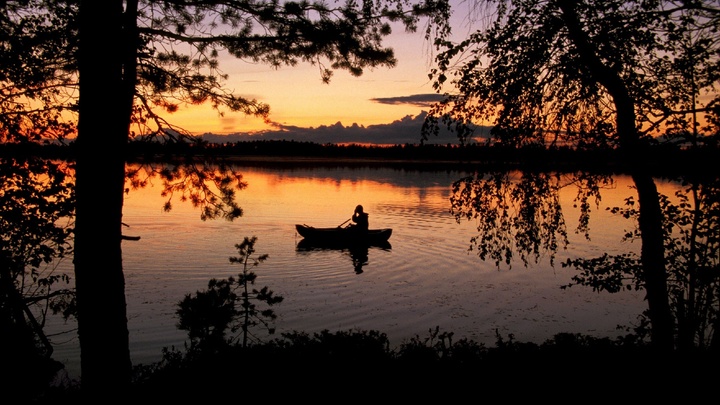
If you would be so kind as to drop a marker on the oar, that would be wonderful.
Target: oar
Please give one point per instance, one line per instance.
(348, 220)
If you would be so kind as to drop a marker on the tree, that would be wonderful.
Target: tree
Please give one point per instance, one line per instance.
(156, 56)
(519, 214)
(208, 315)
(35, 236)
(591, 74)
(38, 75)
(691, 234)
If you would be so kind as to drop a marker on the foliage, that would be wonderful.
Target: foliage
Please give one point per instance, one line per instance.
(229, 303)
(520, 213)
(35, 231)
(692, 241)
(524, 72)
(365, 362)
(210, 186)
(439, 348)
(178, 51)
(38, 77)
(182, 46)
(278, 34)
(36, 227)
(176, 59)
(58, 80)
(587, 74)
(694, 262)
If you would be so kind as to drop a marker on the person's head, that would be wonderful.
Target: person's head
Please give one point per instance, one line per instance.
(359, 209)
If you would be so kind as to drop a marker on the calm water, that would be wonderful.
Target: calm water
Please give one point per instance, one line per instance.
(426, 279)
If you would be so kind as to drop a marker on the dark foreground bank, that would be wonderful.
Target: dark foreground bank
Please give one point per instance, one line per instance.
(360, 366)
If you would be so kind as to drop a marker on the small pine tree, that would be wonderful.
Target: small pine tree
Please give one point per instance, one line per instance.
(229, 303)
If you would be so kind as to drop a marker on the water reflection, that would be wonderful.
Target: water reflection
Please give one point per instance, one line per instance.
(358, 253)
(427, 278)
(359, 257)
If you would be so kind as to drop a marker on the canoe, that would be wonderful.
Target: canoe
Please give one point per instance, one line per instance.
(343, 235)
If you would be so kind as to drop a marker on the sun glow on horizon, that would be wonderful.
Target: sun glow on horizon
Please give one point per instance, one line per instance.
(347, 111)
(298, 98)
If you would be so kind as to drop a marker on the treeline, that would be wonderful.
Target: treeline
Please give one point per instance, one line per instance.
(661, 158)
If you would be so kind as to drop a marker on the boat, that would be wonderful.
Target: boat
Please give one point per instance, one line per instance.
(343, 236)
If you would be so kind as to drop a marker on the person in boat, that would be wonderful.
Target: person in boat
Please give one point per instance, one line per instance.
(360, 219)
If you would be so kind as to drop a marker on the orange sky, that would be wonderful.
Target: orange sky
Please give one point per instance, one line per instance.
(297, 96)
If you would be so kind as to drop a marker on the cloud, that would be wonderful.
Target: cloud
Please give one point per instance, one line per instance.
(406, 130)
(420, 100)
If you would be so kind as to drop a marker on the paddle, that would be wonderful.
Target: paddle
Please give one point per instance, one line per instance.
(348, 220)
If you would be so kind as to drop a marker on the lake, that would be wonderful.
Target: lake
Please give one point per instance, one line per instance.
(427, 278)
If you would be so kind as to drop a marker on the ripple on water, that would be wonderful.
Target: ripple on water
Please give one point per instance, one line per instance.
(427, 278)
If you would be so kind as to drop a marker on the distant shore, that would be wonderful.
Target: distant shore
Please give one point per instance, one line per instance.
(659, 159)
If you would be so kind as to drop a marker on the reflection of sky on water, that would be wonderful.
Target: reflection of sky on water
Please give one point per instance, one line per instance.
(427, 279)
(390, 176)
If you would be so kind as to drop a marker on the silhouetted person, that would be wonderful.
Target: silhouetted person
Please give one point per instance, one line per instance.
(360, 219)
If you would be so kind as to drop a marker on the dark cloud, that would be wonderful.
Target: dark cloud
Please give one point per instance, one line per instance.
(406, 130)
(420, 100)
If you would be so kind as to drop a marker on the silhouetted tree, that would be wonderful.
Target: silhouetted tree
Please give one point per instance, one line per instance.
(590, 74)
(251, 315)
(154, 57)
(207, 315)
(35, 236)
(229, 303)
(691, 234)
(519, 213)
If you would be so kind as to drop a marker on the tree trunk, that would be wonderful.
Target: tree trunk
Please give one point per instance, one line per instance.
(650, 217)
(100, 178)
(652, 256)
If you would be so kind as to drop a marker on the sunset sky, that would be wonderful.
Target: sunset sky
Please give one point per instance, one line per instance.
(299, 100)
